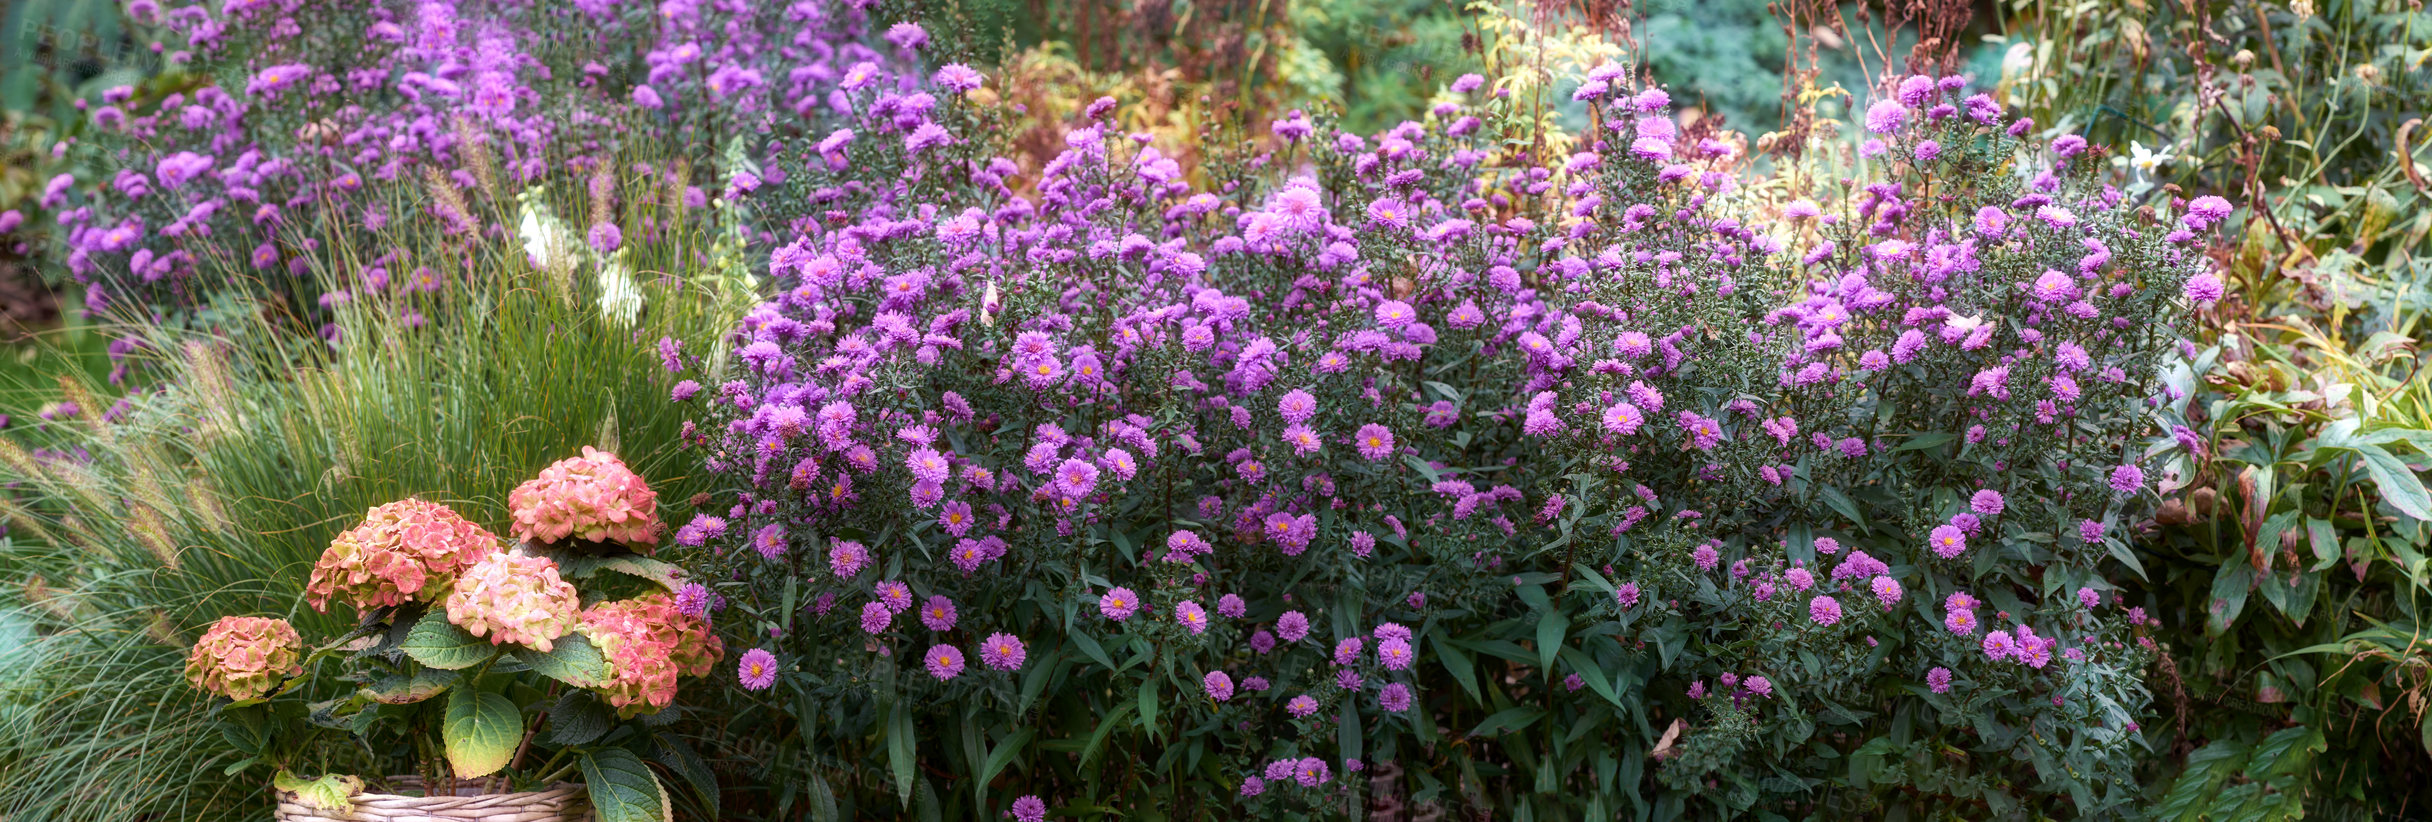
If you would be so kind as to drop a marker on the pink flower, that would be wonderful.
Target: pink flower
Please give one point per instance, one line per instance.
(403, 551)
(943, 661)
(648, 643)
(1003, 652)
(757, 671)
(245, 658)
(515, 599)
(593, 497)
(1119, 604)
(1824, 610)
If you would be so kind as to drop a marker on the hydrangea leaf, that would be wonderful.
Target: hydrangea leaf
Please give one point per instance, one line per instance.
(436, 642)
(622, 787)
(578, 718)
(480, 730)
(331, 792)
(572, 659)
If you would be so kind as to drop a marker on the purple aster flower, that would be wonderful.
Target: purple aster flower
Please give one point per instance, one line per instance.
(944, 661)
(958, 78)
(1887, 590)
(1029, 809)
(2000, 645)
(1825, 610)
(1706, 557)
(1312, 771)
(1886, 116)
(1374, 441)
(2088, 598)
(1960, 621)
(1347, 651)
(605, 237)
(1191, 616)
(895, 595)
(1231, 606)
(875, 617)
(938, 613)
(1003, 652)
(847, 558)
(693, 600)
(1296, 406)
(758, 670)
(1947, 541)
(1119, 604)
(1939, 679)
(2204, 289)
(1292, 626)
(2127, 479)
(1301, 706)
(1394, 697)
(1219, 685)
(1758, 685)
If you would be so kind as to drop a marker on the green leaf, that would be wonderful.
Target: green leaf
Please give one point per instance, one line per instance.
(1148, 704)
(2290, 752)
(2207, 767)
(404, 690)
(578, 718)
(1347, 730)
(2229, 589)
(481, 730)
(823, 800)
(1925, 441)
(576, 565)
(1508, 719)
(572, 660)
(1089, 647)
(622, 787)
(672, 751)
(436, 642)
(1841, 503)
(333, 792)
(2398, 483)
(900, 748)
(1592, 674)
(1458, 663)
(2325, 540)
(1097, 738)
(1550, 629)
(999, 757)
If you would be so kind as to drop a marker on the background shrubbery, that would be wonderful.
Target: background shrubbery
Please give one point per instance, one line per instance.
(195, 439)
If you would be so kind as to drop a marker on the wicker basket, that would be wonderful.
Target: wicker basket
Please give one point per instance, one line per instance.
(472, 801)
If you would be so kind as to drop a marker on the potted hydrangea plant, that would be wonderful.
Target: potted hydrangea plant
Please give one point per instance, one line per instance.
(504, 671)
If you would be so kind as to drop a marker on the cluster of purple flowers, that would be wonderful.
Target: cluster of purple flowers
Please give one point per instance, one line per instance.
(307, 118)
(1025, 391)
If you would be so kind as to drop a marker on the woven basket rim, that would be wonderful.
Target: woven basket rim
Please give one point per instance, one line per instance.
(400, 781)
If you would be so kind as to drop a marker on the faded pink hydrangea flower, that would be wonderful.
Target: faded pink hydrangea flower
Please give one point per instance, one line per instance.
(515, 599)
(403, 551)
(649, 642)
(245, 657)
(593, 497)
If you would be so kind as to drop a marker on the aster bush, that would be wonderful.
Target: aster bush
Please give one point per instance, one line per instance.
(1410, 469)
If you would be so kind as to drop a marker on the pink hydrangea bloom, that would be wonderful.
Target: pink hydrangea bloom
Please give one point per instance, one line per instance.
(403, 551)
(515, 599)
(649, 643)
(593, 497)
(244, 657)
